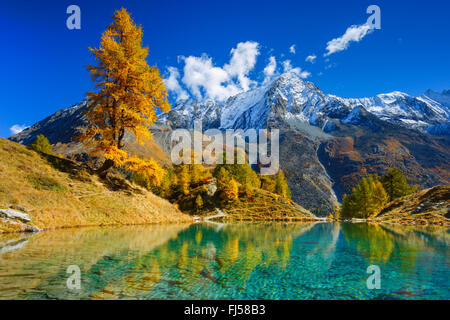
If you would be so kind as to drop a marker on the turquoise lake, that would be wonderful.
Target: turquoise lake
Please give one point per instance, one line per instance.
(228, 261)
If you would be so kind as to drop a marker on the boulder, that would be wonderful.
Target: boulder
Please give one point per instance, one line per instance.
(14, 214)
(211, 188)
(22, 226)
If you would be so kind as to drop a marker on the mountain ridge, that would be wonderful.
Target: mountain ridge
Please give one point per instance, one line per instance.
(327, 143)
(308, 103)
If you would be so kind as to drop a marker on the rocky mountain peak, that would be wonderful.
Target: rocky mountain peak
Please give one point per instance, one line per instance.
(293, 99)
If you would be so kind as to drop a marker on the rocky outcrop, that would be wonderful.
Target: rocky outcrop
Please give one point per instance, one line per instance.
(310, 185)
(17, 220)
(18, 226)
(13, 214)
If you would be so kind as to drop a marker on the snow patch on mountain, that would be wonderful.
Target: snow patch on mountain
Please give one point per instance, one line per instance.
(289, 97)
(237, 106)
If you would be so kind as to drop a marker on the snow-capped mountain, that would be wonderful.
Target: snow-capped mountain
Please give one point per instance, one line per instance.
(304, 102)
(185, 112)
(440, 97)
(327, 143)
(412, 112)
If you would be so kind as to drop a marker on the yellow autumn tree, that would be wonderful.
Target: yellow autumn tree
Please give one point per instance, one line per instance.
(366, 199)
(129, 93)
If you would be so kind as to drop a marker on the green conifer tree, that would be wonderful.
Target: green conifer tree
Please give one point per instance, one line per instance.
(395, 184)
(41, 144)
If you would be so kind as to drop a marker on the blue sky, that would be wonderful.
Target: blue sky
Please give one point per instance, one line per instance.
(43, 62)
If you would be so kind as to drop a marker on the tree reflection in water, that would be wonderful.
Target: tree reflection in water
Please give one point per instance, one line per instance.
(238, 261)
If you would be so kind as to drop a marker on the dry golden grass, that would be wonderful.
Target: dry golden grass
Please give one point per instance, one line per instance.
(428, 206)
(263, 205)
(57, 199)
(7, 228)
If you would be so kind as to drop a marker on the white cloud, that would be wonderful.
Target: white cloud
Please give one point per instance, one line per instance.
(352, 34)
(173, 85)
(243, 60)
(15, 129)
(292, 49)
(205, 80)
(311, 58)
(201, 75)
(287, 67)
(202, 79)
(270, 69)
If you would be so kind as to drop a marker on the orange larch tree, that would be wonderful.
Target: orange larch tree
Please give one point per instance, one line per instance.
(129, 93)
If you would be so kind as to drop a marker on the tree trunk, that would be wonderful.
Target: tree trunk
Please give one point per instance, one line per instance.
(103, 170)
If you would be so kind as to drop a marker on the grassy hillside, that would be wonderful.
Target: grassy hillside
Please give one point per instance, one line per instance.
(429, 206)
(60, 193)
(263, 205)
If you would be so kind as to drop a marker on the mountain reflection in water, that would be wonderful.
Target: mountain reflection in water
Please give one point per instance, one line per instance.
(231, 261)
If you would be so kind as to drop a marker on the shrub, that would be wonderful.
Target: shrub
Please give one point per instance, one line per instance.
(41, 144)
(45, 183)
(141, 179)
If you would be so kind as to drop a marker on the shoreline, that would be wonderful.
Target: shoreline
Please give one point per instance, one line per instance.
(97, 225)
(233, 220)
